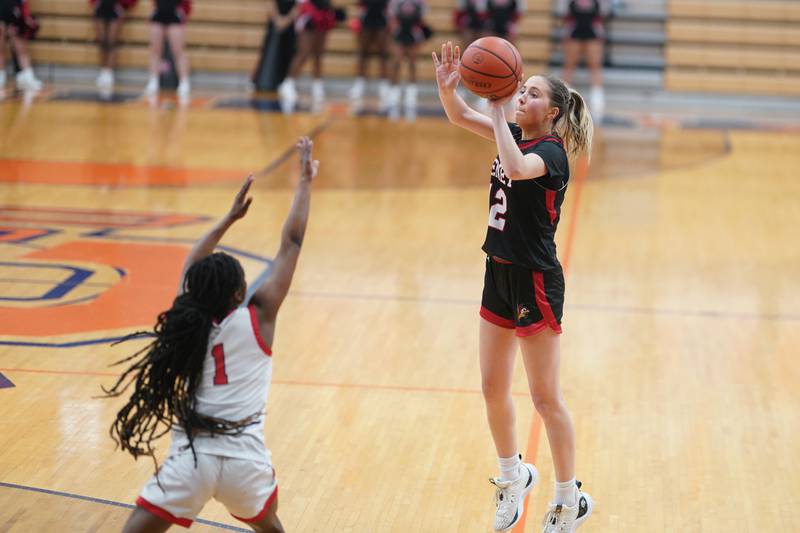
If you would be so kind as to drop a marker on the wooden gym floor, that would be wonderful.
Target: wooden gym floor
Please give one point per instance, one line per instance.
(682, 321)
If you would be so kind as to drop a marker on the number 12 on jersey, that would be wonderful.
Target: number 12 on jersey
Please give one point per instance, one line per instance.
(497, 213)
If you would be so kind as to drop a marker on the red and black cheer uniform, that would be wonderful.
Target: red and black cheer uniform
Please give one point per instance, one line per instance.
(584, 21)
(110, 9)
(524, 283)
(316, 15)
(168, 12)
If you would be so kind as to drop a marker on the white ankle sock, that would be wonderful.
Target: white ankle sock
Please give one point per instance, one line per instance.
(509, 467)
(566, 493)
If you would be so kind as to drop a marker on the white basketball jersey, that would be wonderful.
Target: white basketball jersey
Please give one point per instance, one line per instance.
(237, 373)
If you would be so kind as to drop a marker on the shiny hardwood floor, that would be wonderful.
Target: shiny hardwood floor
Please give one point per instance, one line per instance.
(681, 323)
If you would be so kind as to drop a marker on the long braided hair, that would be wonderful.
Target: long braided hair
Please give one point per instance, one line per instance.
(167, 372)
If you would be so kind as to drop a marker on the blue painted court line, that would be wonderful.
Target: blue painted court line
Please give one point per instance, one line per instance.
(110, 502)
(71, 344)
(49, 282)
(5, 383)
(59, 289)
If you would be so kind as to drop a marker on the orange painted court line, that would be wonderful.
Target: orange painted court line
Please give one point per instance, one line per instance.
(114, 174)
(582, 168)
(398, 388)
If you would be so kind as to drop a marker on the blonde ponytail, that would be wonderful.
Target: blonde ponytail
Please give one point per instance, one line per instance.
(576, 128)
(574, 123)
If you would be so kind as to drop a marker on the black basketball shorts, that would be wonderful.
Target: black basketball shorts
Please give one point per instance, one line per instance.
(108, 10)
(516, 297)
(10, 12)
(167, 13)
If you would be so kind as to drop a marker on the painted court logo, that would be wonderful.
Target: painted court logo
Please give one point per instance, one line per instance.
(66, 272)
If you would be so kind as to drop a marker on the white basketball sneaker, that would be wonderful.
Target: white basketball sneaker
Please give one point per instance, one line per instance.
(27, 80)
(105, 80)
(151, 89)
(383, 96)
(410, 102)
(510, 496)
(393, 105)
(287, 94)
(356, 95)
(184, 91)
(317, 96)
(563, 519)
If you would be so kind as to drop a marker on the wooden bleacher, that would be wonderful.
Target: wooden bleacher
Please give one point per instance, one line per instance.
(750, 46)
(226, 35)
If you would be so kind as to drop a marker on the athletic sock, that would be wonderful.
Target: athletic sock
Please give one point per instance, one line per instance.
(509, 467)
(566, 493)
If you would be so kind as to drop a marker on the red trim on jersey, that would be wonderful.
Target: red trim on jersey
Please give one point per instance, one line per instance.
(257, 330)
(543, 304)
(496, 320)
(550, 203)
(534, 142)
(263, 511)
(162, 513)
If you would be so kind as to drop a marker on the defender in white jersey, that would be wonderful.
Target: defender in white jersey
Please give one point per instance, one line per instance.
(205, 378)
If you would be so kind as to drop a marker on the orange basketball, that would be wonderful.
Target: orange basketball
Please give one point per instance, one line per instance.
(491, 67)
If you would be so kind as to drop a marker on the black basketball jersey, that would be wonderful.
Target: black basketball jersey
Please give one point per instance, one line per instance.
(524, 214)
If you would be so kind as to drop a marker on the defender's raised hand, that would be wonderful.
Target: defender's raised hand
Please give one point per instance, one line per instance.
(241, 203)
(308, 166)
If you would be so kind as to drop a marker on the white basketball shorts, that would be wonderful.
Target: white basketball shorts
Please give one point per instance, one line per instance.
(246, 488)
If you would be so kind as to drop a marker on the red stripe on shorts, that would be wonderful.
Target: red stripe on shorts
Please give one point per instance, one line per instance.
(533, 329)
(543, 304)
(263, 511)
(496, 319)
(162, 513)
